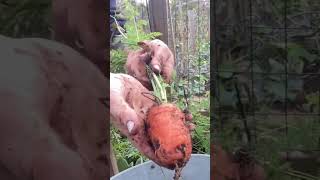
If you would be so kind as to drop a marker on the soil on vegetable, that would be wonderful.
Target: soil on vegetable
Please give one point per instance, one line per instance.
(169, 135)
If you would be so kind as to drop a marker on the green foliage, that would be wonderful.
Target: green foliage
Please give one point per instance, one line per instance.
(200, 64)
(135, 28)
(118, 59)
(199, 108)
(27, 18)
(269, 84)
(269, 54)
(127, 155)
(159, 86)
(134, 32)
(272, 141)
(197, 82)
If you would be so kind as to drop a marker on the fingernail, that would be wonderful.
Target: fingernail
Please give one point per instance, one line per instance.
(130, 125)
(156, 69)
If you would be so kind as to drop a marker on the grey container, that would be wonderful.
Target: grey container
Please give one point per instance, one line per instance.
(198, 168)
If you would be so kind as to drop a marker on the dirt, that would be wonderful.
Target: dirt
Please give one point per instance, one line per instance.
(177, 173)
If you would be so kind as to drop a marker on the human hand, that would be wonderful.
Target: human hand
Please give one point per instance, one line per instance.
(157, 55)
(129, 105)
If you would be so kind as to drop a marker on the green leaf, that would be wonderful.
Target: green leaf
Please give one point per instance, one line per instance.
(276, 67)
(227, 98)
(292, 95)
(139, 161)
(122, 164)
(275, 88)
(296, 51)
(227, 70)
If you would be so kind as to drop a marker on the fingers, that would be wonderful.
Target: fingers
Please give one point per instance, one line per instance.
(126, 118)
(145, 57)
(128, 104)
(130, 120)
(123, 115)
(162, 59)
(128, 110)
(145, 45)
(167, 69)
(136, 67)
(141, 142)
(155, 65)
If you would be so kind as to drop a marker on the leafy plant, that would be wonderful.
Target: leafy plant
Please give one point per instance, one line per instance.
(27, 18)
(199, 108)
(134, 28)
(133, 33)
(118, 59)
(127, 155)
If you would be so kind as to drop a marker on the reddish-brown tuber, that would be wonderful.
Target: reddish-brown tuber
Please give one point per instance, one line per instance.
(169, 135)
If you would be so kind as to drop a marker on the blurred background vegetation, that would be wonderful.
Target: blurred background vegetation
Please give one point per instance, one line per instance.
(25, 18)
(267, 90)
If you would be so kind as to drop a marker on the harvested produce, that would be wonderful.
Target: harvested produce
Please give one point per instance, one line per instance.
(167, 129)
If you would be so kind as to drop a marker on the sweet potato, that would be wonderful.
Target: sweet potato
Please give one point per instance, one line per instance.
(169, 135)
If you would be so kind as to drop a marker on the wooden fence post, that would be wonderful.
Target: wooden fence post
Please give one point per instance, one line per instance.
(158, 11)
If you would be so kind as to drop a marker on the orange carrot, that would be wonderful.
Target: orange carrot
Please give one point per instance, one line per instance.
(167, 129)
(169, 135)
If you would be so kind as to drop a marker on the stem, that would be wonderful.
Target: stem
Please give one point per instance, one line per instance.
(135, 25)
(119, 27)
(158, 86)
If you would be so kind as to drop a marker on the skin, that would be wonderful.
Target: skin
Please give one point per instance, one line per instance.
(129, 111)
(82, 25)
(53, 125)
(154, 53)
(130, 97)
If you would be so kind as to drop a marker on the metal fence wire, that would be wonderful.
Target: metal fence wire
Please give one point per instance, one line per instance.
(191, 39)
(188, 38)
(266, 79)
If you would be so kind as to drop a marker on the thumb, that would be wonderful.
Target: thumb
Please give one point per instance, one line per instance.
(123, 116)
(130, 120)
(155, 65)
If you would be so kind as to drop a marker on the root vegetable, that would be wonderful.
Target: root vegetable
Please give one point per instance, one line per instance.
(167, 129)
(169, 135)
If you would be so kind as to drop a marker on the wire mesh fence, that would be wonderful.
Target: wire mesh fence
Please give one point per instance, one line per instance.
(266, 81)
(190, 20)
(188, 38)
(188, 23)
